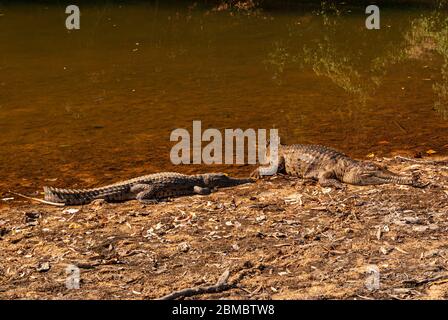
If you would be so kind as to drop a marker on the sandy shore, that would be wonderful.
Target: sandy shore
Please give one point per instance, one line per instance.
(280, 238)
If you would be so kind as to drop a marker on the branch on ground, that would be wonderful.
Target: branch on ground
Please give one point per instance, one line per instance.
(220, 286)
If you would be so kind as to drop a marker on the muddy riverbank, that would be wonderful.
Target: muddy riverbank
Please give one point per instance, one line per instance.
(279, 238)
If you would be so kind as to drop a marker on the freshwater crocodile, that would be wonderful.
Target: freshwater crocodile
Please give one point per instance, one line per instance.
(146, 189)
(331, 168)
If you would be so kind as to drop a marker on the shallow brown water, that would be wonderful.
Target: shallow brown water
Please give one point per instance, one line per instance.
(96, 105)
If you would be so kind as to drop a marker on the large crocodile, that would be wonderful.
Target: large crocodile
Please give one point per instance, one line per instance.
(146, 189)
(331, 168)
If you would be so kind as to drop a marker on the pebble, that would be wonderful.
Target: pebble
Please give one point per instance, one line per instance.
(43, 267)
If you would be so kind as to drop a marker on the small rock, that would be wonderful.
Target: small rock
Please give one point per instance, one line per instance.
(184, 247)
(420, 228)
(431, 253)
(260, 218)
(70, 211)
(43, 267)
(410, 219)
(3, 231)
(326, 190)
(97, 203)
(32, 216)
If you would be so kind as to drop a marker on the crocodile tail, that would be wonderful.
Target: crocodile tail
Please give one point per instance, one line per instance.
(238, 181)
(83, 196)
(71, 196)
(50, 194)
(66, 196)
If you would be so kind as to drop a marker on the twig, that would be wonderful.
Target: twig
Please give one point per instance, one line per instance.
(433, 162)
(437, 279)
(365, 298)
(401, 250)
(400, 126)
(221, 285)
(38, 200)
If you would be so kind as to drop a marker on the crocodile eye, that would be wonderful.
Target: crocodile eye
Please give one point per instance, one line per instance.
(366, 174)
(371, 166)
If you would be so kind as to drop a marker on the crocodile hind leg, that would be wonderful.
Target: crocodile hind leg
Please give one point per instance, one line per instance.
(145, 193)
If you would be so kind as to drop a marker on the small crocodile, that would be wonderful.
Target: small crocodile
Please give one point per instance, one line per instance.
(146, 189)
(331, 168)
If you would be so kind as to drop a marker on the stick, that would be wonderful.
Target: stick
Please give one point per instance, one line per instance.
(441, 162)
(38, 200)
(415, 283)
(400, 126)
(221, 285)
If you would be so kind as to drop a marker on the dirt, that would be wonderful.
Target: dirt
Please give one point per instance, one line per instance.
(280, 238)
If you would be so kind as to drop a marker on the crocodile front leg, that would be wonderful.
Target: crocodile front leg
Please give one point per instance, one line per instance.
(327, 179)
(201, 190)
(256, 174)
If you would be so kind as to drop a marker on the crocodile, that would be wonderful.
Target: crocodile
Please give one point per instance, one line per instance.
(147, 189)
(332, 168)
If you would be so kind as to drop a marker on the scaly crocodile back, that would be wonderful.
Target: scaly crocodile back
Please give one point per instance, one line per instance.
(119, 191)
(301, 158)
